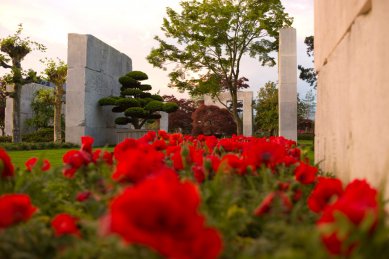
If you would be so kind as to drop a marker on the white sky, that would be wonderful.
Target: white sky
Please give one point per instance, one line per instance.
(129, 26)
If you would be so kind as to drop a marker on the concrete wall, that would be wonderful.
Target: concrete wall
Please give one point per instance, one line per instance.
(287, 90)
(93, 71)
(352, 58)
(27, 95)
(247, 98)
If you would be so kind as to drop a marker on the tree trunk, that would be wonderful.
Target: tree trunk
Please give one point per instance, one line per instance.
(16, 134)
(235, 115)
(57, 116)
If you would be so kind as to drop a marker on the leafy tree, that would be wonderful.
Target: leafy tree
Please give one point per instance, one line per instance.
(212, 120)
(266, 107)
(208, 39)
(56, 73)
(3, 96)
(42, 106)
(138, 105)
(181, 120)
(15, 49)
(309, 74)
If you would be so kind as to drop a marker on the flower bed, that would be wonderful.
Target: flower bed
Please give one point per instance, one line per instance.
(175, 196)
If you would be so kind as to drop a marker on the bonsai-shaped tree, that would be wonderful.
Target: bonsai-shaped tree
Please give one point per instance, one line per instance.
(139, 106)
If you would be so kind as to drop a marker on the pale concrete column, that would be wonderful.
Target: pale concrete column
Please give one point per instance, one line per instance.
(287, 90)
(94, 68)
(164, 121)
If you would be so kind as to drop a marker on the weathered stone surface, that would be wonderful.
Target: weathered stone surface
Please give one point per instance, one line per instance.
(93, 71)
(164, 121)
(287, 90)
(351, 130)
(27, 96)
(333, 18)
(247, 98)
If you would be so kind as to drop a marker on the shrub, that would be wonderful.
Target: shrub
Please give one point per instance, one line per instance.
(41, 135)
(4, 139)
(306, 136)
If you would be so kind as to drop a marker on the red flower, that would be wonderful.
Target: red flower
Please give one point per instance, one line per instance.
(159, 145)
(198, 172)
(82, 196)
(135, 164)
(86, 144)
(30, 163)
(357, 200)
(99, 155)
(264, 153)
(73, 160)
(65, 224)
(15, 208)
(6, 167)
(325, 190)
(305, 173)
(232, 163)
(161, 212)
(267, 203)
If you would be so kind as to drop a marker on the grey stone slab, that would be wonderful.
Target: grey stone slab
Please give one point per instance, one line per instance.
(287, 76)
(94, 70)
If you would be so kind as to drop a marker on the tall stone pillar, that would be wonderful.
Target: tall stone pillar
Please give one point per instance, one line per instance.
(94, 68)
(287, 90)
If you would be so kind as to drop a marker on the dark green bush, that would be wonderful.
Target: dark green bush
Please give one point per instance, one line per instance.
(127, 102)
(4, 139)
(122, 121)
(170, 107)
(136, 112)
(111, 100)
(127, 81)
(131, 91)
(145, 87)
(306, 136)
(41, 135)
(157, 97)
(137, 75)
(154, 106)
(35, 146)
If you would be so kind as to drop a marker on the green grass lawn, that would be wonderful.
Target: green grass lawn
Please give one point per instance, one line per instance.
(306, 147)
(53, 155)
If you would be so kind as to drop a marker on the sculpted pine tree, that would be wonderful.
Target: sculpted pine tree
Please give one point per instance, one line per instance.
(16, 49)
(208, 39)
(56, 73)
(139, 106)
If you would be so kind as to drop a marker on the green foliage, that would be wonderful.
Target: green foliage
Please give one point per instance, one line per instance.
(42, 106)
(154, 106)
(122, 120)
(170, 107)
(15, 49)
(138, 105)
(209, 38)
(35, 146)
(111, 100)
(266, 107)
(136, 112)
(137, 75)
(127, 81)
(127, 102)
(4, 139)
(145, 87)
(156, 97)
(40, 135)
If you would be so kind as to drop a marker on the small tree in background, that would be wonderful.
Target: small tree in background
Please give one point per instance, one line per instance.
(56, 74)
(266, 118)
(42, 106)
(309, 74)
(139, 106)
(212, 120)
(16, 49)
(181, 120)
